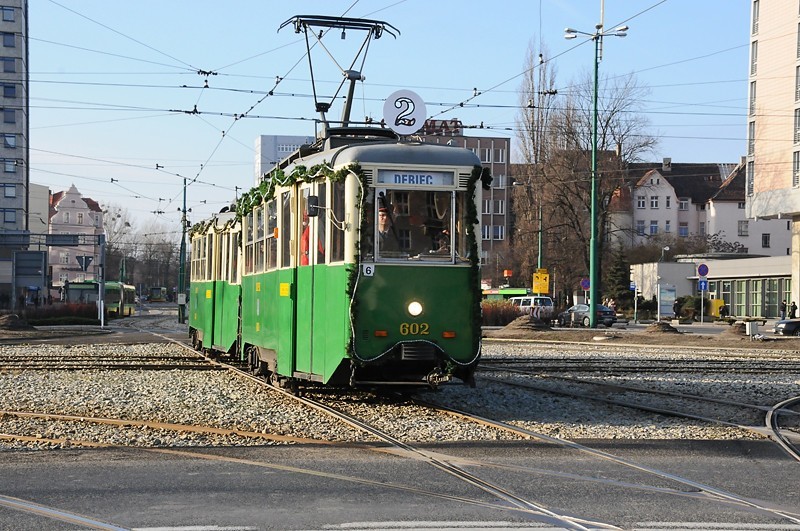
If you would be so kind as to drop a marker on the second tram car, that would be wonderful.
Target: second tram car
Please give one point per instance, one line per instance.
(355, 262)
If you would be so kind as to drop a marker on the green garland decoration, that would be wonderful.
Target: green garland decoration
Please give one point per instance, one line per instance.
(484, 175)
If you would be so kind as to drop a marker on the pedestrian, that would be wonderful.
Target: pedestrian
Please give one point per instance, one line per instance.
(783, 310)
(612, 304)
(676, 308)
(793, 311)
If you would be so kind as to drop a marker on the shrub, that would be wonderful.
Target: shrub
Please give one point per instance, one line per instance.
(498, 312)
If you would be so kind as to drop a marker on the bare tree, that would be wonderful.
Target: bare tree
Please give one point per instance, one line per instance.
(120, 241)
(561, 174)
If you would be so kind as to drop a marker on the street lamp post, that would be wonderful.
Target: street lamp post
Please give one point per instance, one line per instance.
(594, 279)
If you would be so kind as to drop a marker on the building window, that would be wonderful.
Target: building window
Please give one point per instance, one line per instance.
(400, 203)
(9, 116)
(683, 229)
(755, 17)
(667, 227)
(9, 90)
(8, 40)
(744, 228)
(499, 155)
(765, 241)
(640, 227)
(499, 232)
(485, 232)
(653, 201)
(80, 218)
(8, 14)
(9, 215)
(641, 201)
(9, 141)
(702, 227)
(667, 202)
(485, 154)
(487, 206)
(751, 138)
(741, 205)
(63, 278)
(797, 125)
(798, 40)
(10, 190)
(9, 64)
(752, 98)
(66, 217)
(750, 177)
(683, 204)
(653, 227)
(499, 206)
(796, 168)
(753, 57)
(63, 258)
(499, 181)
(797, 83)
(10, 166)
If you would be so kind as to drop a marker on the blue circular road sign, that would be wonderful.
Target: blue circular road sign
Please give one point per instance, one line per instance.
(702, 270)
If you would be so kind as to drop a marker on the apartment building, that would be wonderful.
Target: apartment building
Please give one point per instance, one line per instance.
(692, 199)
(773, 120)
(71, 213)
(14, 127)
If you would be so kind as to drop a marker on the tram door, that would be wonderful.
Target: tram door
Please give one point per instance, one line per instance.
(310, 316)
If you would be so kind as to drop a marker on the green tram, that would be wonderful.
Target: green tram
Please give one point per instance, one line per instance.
(119, 298)
(354, 263)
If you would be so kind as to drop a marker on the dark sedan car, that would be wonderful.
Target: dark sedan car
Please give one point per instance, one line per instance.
(579, 314)
(787, 327)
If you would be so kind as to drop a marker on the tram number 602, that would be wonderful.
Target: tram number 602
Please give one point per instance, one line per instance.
(414, 329)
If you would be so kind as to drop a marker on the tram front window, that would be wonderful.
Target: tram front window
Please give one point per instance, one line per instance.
(417, 225)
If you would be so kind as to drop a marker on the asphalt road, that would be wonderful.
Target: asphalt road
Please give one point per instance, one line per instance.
(304, 487)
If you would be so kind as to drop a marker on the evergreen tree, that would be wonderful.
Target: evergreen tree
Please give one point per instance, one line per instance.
(618, 280)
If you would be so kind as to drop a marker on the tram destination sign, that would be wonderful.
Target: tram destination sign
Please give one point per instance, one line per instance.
(416, 178)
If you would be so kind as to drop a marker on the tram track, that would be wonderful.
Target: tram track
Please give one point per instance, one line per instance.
(457, 466)
(624, 395)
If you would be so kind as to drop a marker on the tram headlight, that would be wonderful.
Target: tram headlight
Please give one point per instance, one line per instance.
(414, 308)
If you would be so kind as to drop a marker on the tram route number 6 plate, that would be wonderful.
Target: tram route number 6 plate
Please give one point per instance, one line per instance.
(367, 269)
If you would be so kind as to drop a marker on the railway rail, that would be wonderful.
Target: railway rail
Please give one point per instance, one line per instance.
(726, 412)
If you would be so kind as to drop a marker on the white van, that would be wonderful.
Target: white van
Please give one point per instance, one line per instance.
(540, 306)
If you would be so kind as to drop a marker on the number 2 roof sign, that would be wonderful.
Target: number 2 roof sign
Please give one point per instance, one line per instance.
(404, 112)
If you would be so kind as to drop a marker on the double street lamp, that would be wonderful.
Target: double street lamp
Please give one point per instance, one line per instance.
(594, 279)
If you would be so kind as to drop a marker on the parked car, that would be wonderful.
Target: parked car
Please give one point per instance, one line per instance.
(787, 327)
(540, 306)
(579, 314)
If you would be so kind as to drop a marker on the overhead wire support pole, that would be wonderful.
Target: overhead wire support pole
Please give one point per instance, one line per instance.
(594, 257)
(182, 269)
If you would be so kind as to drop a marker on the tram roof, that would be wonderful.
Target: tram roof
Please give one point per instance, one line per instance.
(393, 152)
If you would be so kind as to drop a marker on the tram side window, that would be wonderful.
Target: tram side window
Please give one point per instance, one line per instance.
(322, 222)
(271, 235)
(259, 239)
(209, 256)
(218, 265)
(233, 260)
(337, 227)
(248, 244)
(286, 229)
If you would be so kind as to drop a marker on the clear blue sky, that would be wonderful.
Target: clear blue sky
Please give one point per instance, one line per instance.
(109, 80)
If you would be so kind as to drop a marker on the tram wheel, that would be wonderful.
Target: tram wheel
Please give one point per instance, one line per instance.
(195, 341)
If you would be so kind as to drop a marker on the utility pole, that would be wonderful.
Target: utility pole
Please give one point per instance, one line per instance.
(182, 268)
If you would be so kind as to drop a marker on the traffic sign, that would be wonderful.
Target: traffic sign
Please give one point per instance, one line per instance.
(585, 284)
(702, 270)
(84, 261)
(633, 286)
(702, 285)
